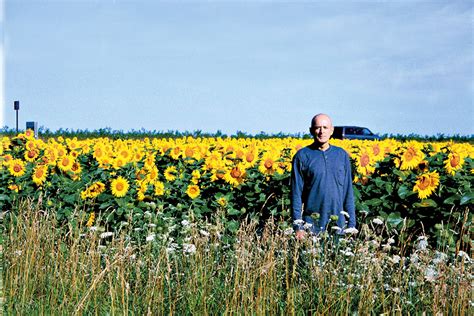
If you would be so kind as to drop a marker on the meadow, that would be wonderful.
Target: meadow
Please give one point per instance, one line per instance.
(202, 225)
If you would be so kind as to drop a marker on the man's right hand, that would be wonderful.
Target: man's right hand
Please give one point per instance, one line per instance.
(300, 234)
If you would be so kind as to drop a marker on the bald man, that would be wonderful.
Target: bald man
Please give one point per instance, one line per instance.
(321, 183)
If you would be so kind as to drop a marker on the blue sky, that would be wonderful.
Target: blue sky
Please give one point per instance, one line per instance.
(393, 66)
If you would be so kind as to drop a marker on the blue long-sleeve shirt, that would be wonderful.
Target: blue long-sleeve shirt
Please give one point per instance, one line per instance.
(321, 182)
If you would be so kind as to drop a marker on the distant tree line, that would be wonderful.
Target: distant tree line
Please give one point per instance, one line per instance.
(44, 132)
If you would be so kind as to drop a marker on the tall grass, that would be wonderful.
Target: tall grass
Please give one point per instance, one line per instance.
(79, 271)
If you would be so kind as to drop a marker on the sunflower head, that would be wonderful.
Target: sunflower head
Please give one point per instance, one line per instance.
(17, 167)
(426, 184)
(39, 174)
(193, 191)
(170, 173)
(119, 186)
(159, 188)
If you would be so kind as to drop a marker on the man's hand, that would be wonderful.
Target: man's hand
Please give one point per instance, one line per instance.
(300, 234)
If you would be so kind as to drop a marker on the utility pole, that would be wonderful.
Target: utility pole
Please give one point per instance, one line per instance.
(16, 107)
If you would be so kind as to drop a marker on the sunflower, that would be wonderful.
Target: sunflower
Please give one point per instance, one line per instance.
(6, 159)
(196, 175)
(60, 151)
(30, 145)
(235, 176)
(365, 163)
(152, 174)
(190, 152)
(218, 174)
(51, 156)
(119, 187)
(14, 187)
(454, 162)
(66, 162)
(268, 164)
(193, 191)
(426, 184)
(142, 188)
(212, 161)
(39, 174)
(222, 201)
(93, 191)
(249, 158)
(29, 134)
(76, 167)
(125, 154)
(17, 167)
(31, 155)
(159, 188)
(99, 152)
(150, 161)
(412, 156)
(176, 153)
(170, 173)
(91, 219)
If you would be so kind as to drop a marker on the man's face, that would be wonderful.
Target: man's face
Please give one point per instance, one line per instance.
(322, 129)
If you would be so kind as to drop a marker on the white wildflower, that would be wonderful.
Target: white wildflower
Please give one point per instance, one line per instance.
(18, 252)
(151, 225)
(374, 242)
(386, 247)
(189, 248)
(430, 274)
(93, 228)
(440, 257)
(345, 214)
(464, 255)
(396, 289)
(106, 234)
(288, 231)
(390, 241)
(377, 221)
(351, 230)
(414, 258)
(336, 228)
(185, 223)
(395, 259)
(298, 222)
(150, 237)
(422, 243)
(204, 233)
(151, 204)
(307, 226)
(348, 253)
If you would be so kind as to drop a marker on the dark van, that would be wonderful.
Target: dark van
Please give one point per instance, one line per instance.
(353, 132)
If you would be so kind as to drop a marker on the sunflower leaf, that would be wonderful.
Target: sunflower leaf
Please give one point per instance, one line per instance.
(467, 198)
(404, 192)
(426, 203)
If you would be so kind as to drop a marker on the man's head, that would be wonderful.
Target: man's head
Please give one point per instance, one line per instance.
(321, 129)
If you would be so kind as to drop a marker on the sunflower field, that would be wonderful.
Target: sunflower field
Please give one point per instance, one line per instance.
(115, 183)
